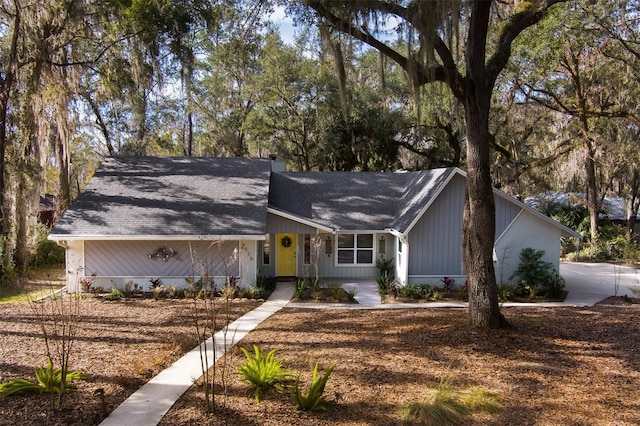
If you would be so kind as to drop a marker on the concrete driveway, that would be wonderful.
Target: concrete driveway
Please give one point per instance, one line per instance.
(589, 283)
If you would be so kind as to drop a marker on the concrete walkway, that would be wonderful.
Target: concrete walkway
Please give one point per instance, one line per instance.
(155, 398)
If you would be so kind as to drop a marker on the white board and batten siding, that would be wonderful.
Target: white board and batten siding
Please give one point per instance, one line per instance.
(115, 262)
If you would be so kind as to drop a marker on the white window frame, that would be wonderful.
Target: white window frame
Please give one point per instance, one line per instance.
(267, 243)
(355, 249)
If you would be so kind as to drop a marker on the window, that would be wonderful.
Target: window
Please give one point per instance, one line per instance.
(307, 249)
(266, 251)
(355, 249)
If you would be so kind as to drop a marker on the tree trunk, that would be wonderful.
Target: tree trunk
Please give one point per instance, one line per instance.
(590, 170)
(479, 224)
(9, 71)
(479, 220)
(633, 205)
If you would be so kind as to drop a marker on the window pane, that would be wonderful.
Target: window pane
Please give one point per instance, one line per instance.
(266, 252)
(307, 249)
(345, 241)
(365, 240)
(345, 256)
(365, 256)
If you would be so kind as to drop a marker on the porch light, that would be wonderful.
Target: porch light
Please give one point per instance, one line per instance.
(382, 247)
(328, 246)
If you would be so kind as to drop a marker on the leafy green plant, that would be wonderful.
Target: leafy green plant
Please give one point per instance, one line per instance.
(300, 288)
(384, 283)
(48, 380)
(335, 290)
(555, 286)
(116, 294)
(533, 272)
(506, 292)
(352, 292)
(262, 371)
(385, 266)
(314, 399)
(424, 291)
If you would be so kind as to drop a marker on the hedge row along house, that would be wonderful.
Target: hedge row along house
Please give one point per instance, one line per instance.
(174, 219)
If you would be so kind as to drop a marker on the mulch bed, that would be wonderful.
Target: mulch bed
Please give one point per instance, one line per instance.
(574, 366)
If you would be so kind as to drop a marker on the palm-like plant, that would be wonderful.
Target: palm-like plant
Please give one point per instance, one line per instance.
(262, 371)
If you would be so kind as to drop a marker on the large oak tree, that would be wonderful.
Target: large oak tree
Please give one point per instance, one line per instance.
(470, 69)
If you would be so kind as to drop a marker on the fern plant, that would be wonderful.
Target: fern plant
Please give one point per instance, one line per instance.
(263, 371)
(313, 400)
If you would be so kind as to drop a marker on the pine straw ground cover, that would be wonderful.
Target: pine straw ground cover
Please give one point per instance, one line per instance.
(556, 366)
(120, 345)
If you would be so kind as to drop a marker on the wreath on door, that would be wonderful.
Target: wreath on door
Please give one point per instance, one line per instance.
(286, 242)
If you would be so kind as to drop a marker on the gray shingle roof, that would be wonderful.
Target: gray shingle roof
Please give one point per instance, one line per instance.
(356, 201)
(161, 196)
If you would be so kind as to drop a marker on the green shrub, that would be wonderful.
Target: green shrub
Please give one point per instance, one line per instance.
(300, 288)
(262, 372)
(533, 272)
(554, 286)
(351, 294)
(48, 253)
(313, 400)
(385, 266)
(622, 249)
(384, 283)
(336, 291)
(423, 291)
(116, 294)
(506, 292)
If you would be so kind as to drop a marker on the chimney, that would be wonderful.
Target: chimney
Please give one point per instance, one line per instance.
(276, 165)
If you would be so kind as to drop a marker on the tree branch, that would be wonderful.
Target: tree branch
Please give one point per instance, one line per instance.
(520, 21)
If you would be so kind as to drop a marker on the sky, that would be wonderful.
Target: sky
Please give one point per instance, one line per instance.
(284, 23)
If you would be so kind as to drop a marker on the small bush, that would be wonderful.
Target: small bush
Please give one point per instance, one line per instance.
(385, 266)
(555, 286)
(261, 371)
(314, 399)
(116, 294)
(351, 292)
(424, 291)
(506, 292)
(384, 283)
(335, 291)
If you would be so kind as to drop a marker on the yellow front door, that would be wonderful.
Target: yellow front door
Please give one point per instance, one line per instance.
(286, 255)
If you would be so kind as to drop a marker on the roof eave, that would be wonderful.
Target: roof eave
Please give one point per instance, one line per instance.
(302, 220)
(73, 237)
